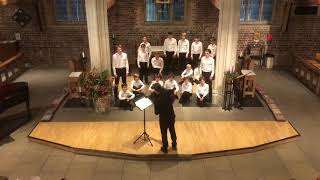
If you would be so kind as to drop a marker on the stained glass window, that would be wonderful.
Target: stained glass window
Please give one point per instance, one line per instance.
(165, 11)
(243, 10)
(70, 10)
(267, 10)
(151, 12)
(178, 9)
(256, 10)
(61, 10)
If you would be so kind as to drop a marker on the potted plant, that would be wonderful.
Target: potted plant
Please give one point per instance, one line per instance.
(97, 88)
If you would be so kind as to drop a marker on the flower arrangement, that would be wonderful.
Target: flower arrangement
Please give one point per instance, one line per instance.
(96, 85)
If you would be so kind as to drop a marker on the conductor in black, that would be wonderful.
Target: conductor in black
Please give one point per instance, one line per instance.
(164, 108)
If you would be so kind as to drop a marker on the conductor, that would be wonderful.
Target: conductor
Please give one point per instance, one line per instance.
(164, 108)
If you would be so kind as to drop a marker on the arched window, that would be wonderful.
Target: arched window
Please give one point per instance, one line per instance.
(70, 10)
(256, 10)
(165, 10)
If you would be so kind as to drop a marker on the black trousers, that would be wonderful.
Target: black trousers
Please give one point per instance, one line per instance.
(125, 104)
(155, 70)
(121, 72)
(206, 76)
(182, 61)
(195, 60)
(143, 71)
(167, 122)
(170, 64)
(202, 103)
(116, 92)
(185, 97)
(136, 93)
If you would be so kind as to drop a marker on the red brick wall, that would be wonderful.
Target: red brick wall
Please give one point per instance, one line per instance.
(128, 26)
(301, 38)
(305, 35)
(56, 45)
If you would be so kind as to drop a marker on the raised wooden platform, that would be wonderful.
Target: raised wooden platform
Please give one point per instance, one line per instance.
(195, 138)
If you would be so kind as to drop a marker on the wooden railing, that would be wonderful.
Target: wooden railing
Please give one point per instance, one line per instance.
(308, 72)
(12, 60)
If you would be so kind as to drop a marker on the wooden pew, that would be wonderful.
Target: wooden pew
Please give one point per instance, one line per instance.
(308, 72)
(12, 61)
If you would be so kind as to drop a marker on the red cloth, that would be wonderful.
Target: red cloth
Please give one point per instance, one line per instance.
(269, 37)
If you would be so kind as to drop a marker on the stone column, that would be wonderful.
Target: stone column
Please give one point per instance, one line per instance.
(229, 20)
(98, 33)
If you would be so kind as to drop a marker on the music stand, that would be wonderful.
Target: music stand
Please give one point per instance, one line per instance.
(143, 104)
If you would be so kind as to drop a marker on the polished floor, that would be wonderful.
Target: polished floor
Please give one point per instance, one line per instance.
(194, 137)
(299, 160)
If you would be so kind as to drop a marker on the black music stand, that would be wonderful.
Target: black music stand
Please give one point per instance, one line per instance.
(143, 104)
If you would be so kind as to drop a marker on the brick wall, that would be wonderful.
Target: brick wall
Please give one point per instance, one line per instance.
(127, 24)
(305, 35)
(301, 38)
(56, 45)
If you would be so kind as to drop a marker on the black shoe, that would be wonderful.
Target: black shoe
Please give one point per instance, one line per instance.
(164, 150)
(131, 108)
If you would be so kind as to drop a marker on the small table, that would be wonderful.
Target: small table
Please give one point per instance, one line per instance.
(74, 82)
(249, 83)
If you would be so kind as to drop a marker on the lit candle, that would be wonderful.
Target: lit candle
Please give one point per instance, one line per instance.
(82, 55)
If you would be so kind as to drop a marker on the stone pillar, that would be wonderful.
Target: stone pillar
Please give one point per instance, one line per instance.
(98, 33)
(229, 20)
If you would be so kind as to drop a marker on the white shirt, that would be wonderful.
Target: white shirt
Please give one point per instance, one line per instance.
(136, 84)
(196, 48)
(207, 65)
(183, 46)
(213, 49)
(157, 63)
(126, 95)
(187, 73)
(120, 61)
(154, 82)
(170, 45)
(186, 87)
(148, 48)
(142, 57)
(171, 84)
(202, 90)
(197, 73)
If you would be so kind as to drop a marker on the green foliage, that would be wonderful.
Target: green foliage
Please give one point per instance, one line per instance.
(95, 85)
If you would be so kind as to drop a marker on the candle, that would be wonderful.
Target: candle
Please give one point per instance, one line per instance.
(82, 55)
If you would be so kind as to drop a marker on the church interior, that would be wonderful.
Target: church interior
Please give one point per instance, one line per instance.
(159, 89)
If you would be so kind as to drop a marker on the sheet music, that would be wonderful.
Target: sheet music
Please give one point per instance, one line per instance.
(75, 74)
(143, 103)
(248, 72)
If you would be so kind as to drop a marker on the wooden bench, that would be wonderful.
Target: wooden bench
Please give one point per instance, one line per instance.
(12, 61)
(308, 72)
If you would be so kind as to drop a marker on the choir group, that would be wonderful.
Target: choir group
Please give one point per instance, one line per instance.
(196, 68)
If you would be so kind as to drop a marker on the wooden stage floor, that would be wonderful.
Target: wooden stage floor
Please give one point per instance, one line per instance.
(194, 137)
